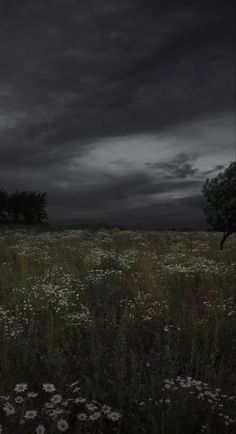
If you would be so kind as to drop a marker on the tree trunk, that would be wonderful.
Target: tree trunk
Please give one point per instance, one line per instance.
(225, 236)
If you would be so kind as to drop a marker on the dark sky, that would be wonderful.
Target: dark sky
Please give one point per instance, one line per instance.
(119, 109)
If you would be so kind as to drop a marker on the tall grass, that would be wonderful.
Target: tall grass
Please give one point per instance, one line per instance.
(143, 321)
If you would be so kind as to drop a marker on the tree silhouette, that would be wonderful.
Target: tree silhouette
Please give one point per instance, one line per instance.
(4, 198)
(220, 194)
(24, 207)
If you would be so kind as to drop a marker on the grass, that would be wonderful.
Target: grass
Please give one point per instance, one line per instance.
(116, 331)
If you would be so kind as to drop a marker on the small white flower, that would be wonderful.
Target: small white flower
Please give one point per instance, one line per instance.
(6, 398)
(82, 416)
(32, 395)
(47, 387)
(113, 415)
(76, 389)
(56, 399)
(91, 407)
(9, 409)
(48, 405)
(56, 412)
(21, 387)
(30, 414)
(40, 429)
(95, 416)
(106, 409)
(19, 399)
(80, 400)
(62, 425)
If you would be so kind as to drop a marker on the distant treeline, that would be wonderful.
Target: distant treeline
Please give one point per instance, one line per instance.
(23, 207)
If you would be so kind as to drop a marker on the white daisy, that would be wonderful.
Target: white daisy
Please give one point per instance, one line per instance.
(80, 400)
(113, 415)
(95, 416)
(82, 416)
(91, 407)
(19, 399)
(32, 395)
(9, 409)
(56, 399)
(30, 414)
(21, 387)
(40, 429)
(62, 425)
(47, 387)
(76, 389)
(106, 408)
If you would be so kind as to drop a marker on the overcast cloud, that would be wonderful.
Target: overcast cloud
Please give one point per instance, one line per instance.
(119, 109)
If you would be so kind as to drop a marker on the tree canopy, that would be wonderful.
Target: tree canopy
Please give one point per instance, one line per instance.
(25, 207)
(220, 195)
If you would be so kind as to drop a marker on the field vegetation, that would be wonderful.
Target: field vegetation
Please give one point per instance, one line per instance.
(117, 331)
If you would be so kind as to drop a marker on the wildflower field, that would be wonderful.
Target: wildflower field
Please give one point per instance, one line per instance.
(116, 331)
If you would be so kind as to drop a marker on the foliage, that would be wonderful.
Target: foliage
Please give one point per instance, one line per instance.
(24, 207)
(220, 194)
(4, 198)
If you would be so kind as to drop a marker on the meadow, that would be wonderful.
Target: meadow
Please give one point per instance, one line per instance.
(117, 331)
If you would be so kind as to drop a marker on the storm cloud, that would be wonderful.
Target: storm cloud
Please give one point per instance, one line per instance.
(119, 109)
